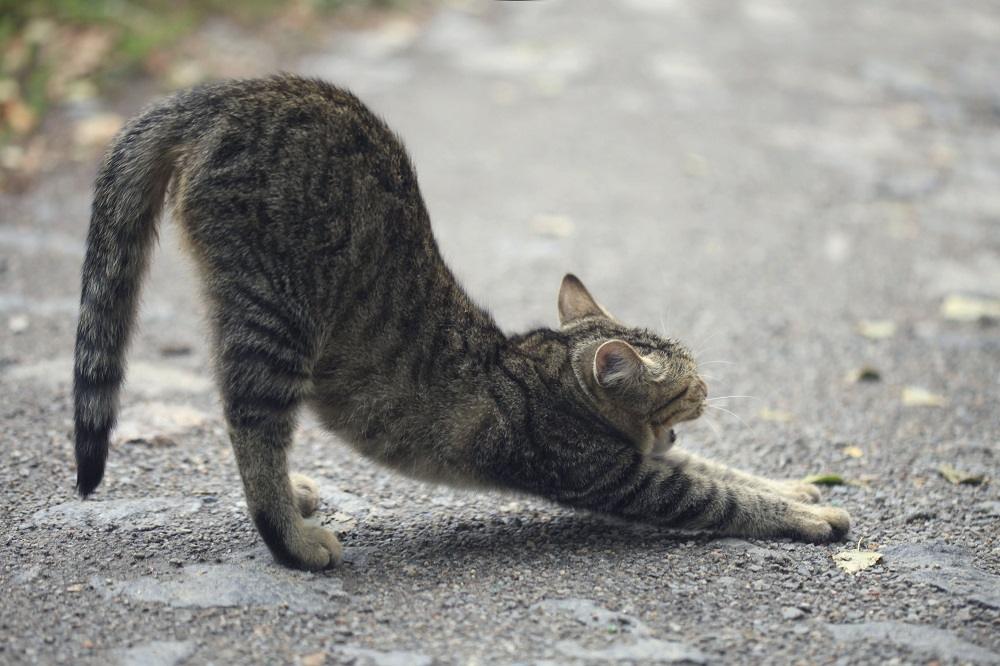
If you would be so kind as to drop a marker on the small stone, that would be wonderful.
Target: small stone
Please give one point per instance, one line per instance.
(792, 613)
(314, 659)
(18, 324)
(864, 374)
(172, 350)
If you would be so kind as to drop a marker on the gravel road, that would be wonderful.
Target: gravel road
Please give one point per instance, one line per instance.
(802, 191)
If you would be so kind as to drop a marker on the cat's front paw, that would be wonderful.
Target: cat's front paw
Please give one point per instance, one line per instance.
(306, 494)
(818, 524)
(798, 491)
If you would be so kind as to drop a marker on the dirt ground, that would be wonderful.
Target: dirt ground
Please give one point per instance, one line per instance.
(802, 191)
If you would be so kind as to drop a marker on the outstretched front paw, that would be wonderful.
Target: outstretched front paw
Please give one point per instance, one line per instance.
(797, 490)
(818, 524)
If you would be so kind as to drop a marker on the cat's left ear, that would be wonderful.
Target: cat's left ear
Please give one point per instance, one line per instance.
(575, 302)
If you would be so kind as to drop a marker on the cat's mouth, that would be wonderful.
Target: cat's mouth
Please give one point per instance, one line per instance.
(682, 407)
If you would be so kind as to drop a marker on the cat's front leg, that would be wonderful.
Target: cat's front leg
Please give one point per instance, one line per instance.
(790, 488)
(674, 493)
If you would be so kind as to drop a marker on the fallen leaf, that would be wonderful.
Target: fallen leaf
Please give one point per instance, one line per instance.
(314, 659)
(956, 477)
(825, 479)
(914, 396)
(968, 308)
(9, 89)
(879, 329)
(853, 561)
(97, 130)
(778, 415)
(696, 165)
(20, 116)
(553, 226)
(865, 373)
(852, 451)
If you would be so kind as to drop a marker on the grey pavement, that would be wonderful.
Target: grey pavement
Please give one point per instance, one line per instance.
(799, 190)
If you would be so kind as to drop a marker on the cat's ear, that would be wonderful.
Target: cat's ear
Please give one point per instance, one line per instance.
(616, 363)
(575, 302)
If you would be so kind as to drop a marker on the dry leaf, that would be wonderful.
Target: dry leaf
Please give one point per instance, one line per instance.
(852, 451)
(696, 165)
(853, 561)
(914, 396)
(97, 130)
(956, 477)
(20, 116)
(877, 329)
(825, 479)
(967, 308)
(769, 414)
(553, 226)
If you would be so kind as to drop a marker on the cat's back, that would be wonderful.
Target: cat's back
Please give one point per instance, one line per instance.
(299, 148)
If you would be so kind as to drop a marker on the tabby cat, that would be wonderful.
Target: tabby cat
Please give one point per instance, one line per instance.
(326, 289)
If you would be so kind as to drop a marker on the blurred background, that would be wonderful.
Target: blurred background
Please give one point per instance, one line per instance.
(804, 192)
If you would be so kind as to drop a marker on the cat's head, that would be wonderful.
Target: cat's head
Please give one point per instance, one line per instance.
(640, 382)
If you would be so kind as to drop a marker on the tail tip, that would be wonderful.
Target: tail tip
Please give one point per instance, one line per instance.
(87, 479)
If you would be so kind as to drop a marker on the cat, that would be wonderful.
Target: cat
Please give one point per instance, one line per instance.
(326, 289)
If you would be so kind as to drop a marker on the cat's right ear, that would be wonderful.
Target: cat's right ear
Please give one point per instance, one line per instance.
(616, 363)
(575, 302)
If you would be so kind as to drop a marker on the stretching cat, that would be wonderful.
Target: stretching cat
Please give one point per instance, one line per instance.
(326, 289)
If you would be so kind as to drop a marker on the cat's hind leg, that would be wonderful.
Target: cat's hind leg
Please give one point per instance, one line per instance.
(264, 377)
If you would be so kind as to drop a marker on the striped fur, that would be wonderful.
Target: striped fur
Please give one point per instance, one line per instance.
(326, 289)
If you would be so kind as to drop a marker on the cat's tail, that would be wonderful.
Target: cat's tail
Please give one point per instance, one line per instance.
(129, 194)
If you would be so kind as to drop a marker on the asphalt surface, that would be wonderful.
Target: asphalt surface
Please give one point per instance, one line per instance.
(799, 190)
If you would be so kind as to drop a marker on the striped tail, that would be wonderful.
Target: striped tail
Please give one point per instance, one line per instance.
(129, 194)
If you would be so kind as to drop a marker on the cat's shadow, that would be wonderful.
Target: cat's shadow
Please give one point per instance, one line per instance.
(562, 537)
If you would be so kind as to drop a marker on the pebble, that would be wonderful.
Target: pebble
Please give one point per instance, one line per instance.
(792, 613)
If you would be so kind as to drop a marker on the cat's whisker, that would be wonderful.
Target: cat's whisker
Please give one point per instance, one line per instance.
(727, 397)
(703, 345)
(713, 426)
(737, 417)
(716, 363)
(663, 325)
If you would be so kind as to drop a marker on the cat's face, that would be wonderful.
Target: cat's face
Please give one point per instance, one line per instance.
(640, 382)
